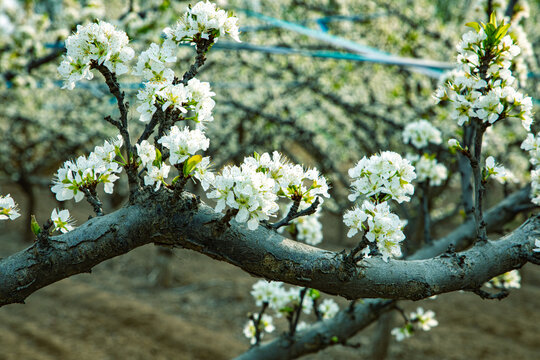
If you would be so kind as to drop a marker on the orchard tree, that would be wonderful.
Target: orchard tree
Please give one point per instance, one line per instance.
(264, 217)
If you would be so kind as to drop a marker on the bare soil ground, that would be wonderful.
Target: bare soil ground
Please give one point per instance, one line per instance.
(117, 312)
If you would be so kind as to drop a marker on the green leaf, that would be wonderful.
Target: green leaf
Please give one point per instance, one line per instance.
(36, 229)
(286, 309)
(157, 162)
(191, 163)
(334, 339)
(314, 294)
(473, 25)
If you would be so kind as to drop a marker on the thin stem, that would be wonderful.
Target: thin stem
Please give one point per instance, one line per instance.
(479, 184)
(296, 315)
(294, 213)
(257, 323)
(203, 45)
(121, 124)
(93, 199)
(425, 211)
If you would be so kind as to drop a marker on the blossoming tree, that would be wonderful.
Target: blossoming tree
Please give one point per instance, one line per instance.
(169, 152)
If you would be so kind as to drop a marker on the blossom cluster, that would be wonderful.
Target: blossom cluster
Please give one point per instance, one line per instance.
(183, 146)
(419, 320)
(307, 229)
(520, 11)
(8, 208)
(428, 168)
(508, 280)
(285, 301)
(196, 96)
(532, 145)
(99, 42)
(388, 174)
(87, 172)
(483, 88)
(379, 179)
(265, 325)
(421, 133)
(203, 20)
(253, 188)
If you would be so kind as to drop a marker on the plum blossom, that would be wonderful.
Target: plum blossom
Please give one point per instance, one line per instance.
(62, 221)
(183, 143)
(387, 173)
(99, 42)
(508, 280)
(8, 208)
(87, 172)
(420, 133)
(203, 20)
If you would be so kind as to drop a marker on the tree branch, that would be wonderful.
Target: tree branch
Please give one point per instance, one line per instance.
(162, 218)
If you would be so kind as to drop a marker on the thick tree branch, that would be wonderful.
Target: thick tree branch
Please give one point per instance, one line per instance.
(313, 339)
(162, 218)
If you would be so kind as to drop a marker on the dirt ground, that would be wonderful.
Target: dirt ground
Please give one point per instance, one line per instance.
(117, 312)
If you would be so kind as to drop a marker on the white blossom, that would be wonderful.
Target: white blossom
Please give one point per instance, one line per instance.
(203, 20)
(265, 325)
(537, 245)
(420, 133)
(424, 320)
(62, 221)
(328, 308)
(183, 143)
(99, 42)
(508, 280)
(152, 63)
(387, 173)
(402, 333)
(156, 175)
(484, 93)
(8, 208)
(427, 168)
(98, 167)
(146, 152)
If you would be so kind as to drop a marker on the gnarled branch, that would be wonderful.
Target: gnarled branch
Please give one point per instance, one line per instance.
(162, 218)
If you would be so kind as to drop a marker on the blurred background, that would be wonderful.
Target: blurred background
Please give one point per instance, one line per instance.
(323, 82)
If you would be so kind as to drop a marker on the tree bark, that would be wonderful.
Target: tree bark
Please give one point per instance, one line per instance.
(161, 218)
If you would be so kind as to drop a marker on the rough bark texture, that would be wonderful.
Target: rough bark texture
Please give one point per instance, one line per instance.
(318, 337)
(164, 219)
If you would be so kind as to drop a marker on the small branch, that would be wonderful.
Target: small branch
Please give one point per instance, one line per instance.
(149, 129)
(203, 45)
(351, 258)
(479, 183)
(489, 296)
(121, 124)
(425, 211)
(93, 199)
(257, 323)
(401, 312)
(293, 213)
(297, 313)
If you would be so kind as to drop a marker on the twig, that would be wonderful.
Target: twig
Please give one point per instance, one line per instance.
(257, 323)
(296, 315)
(489, 296)
(93, 199)
(294, 213)
(203, 45)
(425, 211)
(121, 124)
